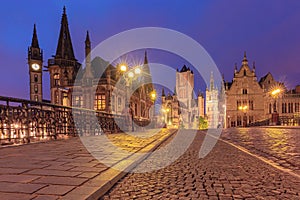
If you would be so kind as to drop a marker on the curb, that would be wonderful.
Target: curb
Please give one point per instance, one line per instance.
(101, 184)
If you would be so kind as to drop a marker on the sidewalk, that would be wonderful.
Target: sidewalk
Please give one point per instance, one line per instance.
(64, 169)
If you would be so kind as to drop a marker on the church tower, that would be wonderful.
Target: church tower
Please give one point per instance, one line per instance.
(212, 103)
(35, 62)
(63, 67)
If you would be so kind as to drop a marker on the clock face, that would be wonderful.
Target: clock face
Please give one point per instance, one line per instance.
(35, 66)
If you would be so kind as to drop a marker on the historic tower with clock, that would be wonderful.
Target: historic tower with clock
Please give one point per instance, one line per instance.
(35, 62)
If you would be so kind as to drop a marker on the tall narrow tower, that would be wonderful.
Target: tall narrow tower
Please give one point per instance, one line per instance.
(63, 67)
(35, 62)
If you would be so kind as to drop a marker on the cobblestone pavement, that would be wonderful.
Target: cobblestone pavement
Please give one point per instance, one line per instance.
(279, 145)
(225, 173)
(63, 168)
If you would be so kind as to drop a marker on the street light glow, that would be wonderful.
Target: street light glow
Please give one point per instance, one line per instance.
(276, 91)
(130, 74)
(123, 68)
(137, 70)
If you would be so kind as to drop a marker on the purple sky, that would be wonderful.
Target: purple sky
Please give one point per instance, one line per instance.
(268, 30)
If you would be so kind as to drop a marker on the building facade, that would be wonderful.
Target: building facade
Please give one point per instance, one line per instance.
(181, 109)
(95, 84)
(249, 101)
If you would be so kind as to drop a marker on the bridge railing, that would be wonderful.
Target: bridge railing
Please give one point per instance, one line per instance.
(24, 121)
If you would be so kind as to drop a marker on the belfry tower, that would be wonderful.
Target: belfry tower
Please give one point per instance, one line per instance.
(35, 62)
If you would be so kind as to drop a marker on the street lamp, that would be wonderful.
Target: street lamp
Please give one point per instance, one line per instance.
(275, 93)
(129, 75)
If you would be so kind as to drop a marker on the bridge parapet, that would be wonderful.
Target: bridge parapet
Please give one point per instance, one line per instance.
(24, 121)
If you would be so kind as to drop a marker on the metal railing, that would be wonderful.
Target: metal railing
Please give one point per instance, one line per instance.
(24, 121)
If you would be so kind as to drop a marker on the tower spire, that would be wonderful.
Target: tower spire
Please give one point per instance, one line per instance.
(88, 71)
(245, 61)
(64, 48)
(145, 58)
(34, 42)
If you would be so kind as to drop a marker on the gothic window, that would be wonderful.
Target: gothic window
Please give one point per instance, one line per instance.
(78, 101)
(56, 97)
(119, 103)
(56, 79)
(270, 108)
(244, 91)
(100, 103)
(251, 105)
(239, 121)
(36, 98)
(135, 109)
(251, 119)
(274, 107)
(297, 108)
(239, 104)
(283, 107)
(65, 99)
(36, 78)
(113, 103)
(245, 73)
(290, 107)
(35, 88)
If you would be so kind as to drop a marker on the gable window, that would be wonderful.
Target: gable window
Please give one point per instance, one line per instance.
(245, 91)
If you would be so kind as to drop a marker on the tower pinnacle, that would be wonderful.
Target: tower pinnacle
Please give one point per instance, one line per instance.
(64, 48)
(34, 42)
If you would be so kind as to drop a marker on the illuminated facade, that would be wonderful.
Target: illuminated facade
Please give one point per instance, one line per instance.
(92, 89)
(186, 110)
(249, 101)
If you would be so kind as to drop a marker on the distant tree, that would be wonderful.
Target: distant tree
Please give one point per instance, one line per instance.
(203, 124)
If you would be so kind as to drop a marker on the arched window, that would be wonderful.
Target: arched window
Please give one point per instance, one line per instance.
(36, 78)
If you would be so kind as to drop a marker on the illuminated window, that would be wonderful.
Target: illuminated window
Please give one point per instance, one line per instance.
(100, 102)
(56, 79)
(77, 101)
(36, 98)
(36, 89)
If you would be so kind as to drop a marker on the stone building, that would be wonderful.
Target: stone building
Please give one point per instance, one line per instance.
(97, 84)
(249, 101)
(244, 97)
(185, 108)
(212, 103)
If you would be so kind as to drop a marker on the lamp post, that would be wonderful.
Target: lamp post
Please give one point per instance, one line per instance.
(275, 94)
(129, 75)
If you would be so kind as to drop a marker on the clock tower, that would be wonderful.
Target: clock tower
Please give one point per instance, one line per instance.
(35, 62)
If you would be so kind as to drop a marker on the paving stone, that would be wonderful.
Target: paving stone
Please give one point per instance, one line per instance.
(58, 190)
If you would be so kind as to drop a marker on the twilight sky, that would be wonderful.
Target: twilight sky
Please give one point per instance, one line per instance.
(268, 30)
